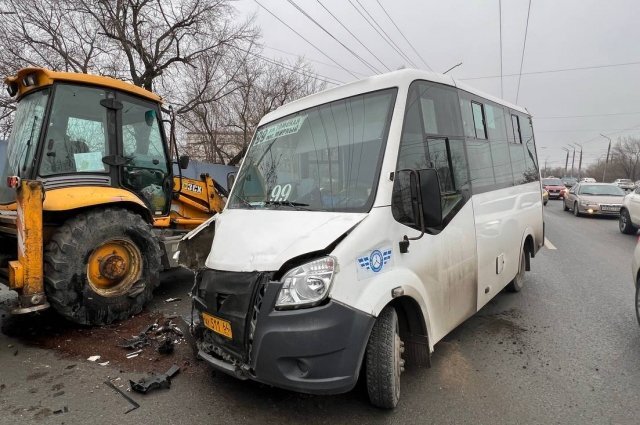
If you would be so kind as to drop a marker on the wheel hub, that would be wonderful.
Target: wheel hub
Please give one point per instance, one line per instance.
(113, 267)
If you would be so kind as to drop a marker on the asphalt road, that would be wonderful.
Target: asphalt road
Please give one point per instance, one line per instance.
(564, 350)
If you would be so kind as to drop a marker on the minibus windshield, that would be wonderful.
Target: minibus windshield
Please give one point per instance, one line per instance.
(325, 158)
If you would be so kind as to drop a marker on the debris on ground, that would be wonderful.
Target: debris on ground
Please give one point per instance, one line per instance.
(155, 381)
(166, 346)
(65, 409)
(172, 300)
(104, 363)
(131, 401)
(94, 358)
(162, 334)
(73, 342)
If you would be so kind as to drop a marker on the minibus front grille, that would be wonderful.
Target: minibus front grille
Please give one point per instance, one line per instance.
(235, 297)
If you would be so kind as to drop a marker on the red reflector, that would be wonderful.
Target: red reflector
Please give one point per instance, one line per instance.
(13, 182)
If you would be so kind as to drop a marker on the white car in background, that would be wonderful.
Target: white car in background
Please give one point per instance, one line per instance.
(587, 180)
(630, 213)
(625, 184)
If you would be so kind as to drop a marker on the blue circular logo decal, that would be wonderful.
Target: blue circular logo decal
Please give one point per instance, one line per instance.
(376, 261)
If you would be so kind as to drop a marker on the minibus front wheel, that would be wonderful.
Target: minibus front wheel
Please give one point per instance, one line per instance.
(384, 360)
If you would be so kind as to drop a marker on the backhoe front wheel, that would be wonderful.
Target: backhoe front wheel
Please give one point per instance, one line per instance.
(102, 266)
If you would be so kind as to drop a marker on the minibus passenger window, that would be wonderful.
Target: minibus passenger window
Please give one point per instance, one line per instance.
(478, 119)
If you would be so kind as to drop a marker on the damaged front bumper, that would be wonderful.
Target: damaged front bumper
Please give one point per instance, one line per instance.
(316, 350)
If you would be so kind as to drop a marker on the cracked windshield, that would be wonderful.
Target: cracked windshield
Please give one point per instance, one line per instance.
(325, 158)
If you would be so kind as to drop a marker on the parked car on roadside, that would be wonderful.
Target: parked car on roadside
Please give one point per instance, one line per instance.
(629, 221)
(555, 187)
(569, 181)
(625, 184)
(594, 199)
(587, 180)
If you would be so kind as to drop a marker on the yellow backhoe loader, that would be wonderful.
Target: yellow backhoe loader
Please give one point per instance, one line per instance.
(90, 208)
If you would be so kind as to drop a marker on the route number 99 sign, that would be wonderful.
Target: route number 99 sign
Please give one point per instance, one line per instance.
(280, 193)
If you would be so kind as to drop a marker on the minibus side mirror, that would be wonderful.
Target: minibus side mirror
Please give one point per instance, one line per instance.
(416, 201)
(431, 197)
(183, 162)
(231, 178)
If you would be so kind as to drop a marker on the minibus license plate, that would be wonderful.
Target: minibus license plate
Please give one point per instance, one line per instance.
(219, 326)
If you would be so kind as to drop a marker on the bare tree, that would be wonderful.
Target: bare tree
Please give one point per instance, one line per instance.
(222, 129)
(193, 53)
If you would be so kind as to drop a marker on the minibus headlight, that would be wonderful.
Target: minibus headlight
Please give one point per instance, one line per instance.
(306, 285)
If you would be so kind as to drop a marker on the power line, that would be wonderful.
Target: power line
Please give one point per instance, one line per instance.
(389, 42)
(549, 71)
(524, 45)
(305, 57)
(500, 23)
(387, 35)
(371, 67)
(302, 37)
(353, 35)
(581, 130)
(587, 115)
(319, 77)
(403, 36)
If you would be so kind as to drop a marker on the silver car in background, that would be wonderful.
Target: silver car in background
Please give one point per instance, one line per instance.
(625, 184)
(594, 199)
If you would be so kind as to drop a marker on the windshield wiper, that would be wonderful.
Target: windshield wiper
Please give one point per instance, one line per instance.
(243, 201)
(297, 205)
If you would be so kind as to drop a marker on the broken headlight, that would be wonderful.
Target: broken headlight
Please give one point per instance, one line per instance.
(306, 285)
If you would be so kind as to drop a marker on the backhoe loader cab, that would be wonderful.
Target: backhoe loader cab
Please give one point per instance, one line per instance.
(91, 211)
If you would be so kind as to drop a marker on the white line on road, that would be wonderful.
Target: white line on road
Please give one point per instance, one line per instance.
(548, 244)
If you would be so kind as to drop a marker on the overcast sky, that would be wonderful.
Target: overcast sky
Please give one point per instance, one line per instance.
(562, 34)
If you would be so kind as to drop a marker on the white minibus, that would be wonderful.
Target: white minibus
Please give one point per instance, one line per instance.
(365, 223)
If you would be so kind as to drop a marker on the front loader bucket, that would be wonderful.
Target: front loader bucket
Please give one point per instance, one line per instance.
(26, 273)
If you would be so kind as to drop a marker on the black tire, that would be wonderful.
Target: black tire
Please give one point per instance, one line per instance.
(384, 360)
(638, 301)
(576, 210)
(517, 283)
(625, 225)
(65, 266)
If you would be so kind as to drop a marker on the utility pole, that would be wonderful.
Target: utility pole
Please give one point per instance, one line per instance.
(545, 166)
(566, 161)
(604, 173)
(573, 160)
(580, 163)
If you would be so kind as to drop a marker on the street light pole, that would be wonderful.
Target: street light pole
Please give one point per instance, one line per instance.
(604, 173)
(566, 161)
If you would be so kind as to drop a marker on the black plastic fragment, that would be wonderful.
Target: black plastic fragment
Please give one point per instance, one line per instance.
(154, 381)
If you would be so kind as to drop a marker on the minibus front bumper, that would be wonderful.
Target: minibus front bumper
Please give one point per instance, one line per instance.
(316, 350)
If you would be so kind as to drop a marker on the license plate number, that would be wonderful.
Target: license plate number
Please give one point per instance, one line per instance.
(606, 208)
(218, 325)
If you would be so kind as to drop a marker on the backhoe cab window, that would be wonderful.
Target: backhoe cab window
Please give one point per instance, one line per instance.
(75, 139)
(22, 144)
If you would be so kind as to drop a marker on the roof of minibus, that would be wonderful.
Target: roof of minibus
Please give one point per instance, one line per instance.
(401, 78)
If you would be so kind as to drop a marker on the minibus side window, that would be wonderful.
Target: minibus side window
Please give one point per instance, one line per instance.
(432, 138)
(531, 167)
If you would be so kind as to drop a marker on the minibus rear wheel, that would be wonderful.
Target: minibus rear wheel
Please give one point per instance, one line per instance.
(384, 360)
(517, 283)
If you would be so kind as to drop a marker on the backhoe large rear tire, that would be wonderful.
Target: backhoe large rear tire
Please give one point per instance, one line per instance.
(102, 266)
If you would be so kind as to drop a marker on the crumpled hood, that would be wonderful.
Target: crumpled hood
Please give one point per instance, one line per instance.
(262, 240)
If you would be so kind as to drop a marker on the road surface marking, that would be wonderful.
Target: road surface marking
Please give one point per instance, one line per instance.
(548, 244)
